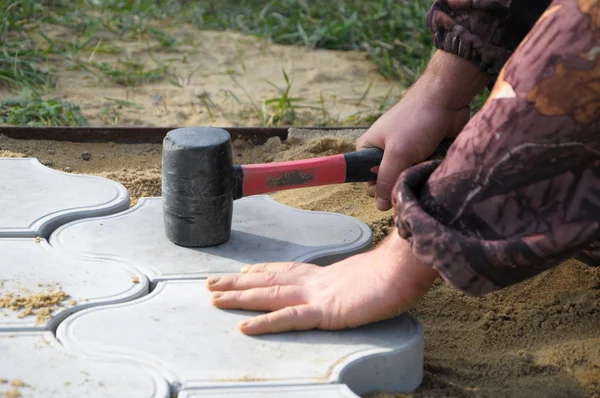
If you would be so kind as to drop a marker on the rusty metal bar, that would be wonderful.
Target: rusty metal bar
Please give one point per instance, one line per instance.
(125, 134)
(155, 135)
(136, 134)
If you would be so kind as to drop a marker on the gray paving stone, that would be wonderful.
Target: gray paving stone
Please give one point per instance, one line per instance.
(262, 231)
(30, 267)
(34, 364)
(195, 345)
(34, 199)
(325, 391)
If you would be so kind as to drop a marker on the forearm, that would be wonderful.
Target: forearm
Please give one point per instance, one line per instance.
(406, 267)
(517, 193)
(450, 82)
(474, 41)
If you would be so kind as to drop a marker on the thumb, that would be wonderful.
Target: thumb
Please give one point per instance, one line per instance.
(361, 144)
(392, 165)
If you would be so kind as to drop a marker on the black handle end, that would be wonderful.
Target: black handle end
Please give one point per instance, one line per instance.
(359, 165)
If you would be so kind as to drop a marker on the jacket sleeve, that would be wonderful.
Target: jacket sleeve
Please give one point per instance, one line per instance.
(519, 190)
(485, 32)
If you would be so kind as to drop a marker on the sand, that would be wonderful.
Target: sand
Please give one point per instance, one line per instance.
(40, 304)
(17, 383)
(138, 168)
(218, 78)
(15, 388)
(539, 338)
(12, 394)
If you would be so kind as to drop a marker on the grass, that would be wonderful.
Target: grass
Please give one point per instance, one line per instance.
(30, 110)
(392, 33)
(19, 69)
(283, 107)
(128, 73)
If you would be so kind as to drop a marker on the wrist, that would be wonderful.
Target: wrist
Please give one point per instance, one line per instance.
(416, 277)
(451, 82)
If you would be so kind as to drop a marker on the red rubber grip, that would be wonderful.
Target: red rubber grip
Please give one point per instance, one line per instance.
(271, 177)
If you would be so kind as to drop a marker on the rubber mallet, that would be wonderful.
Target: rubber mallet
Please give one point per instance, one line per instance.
(200, 181)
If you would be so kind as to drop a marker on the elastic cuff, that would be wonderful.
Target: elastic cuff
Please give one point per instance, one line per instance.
(463, 255)
(431, 241)
(451, 36)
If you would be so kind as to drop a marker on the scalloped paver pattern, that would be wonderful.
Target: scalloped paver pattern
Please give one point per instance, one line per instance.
(115, 336)
(31, 270)
(177, 332)
(323, 391)
(34, 364)
(262, 231)
(63, 198)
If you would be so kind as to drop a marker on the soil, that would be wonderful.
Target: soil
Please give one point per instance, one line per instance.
(539, 338)
(42, 305)
(138, 168)
(220, 79)
(12, 394)
(17, 383)
(14, 391)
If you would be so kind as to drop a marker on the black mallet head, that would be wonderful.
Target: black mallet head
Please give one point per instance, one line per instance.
(197, 186)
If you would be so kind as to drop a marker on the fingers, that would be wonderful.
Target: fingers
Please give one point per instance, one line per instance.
(370, 188)
(370, 140)
(251, 280)
(392, 165)
(363, 142)
(302, 317)
(275, 267)
(259, 299)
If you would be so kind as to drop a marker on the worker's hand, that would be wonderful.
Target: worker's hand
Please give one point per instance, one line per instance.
(408, 133)
(436, 107)
(362, 289)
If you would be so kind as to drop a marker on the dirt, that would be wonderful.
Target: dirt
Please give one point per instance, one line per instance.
(138, 168)
(15, 385)
(12, 394)
(539, 338)
(218, 78)
(42, 305)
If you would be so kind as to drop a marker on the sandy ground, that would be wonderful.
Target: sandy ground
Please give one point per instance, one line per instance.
(540, 338)
(138, 168)
(220, 79)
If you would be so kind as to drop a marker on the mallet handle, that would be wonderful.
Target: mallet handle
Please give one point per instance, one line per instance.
(258, 179)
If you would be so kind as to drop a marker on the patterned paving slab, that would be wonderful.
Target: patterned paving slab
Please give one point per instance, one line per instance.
(262, 231)
(35, 200)
(192, 344)
(40, 286)
(35, 365)
(326, 391)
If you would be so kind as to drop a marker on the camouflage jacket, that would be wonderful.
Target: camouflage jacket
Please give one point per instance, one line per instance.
(519, 190)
